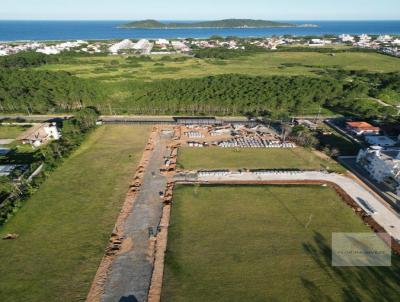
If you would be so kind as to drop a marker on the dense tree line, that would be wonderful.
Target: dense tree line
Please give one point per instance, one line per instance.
(351, 93)
(28, 59)
(348, 92)
(27, 90)
(24, 60)
(235, 94)
(52, 155)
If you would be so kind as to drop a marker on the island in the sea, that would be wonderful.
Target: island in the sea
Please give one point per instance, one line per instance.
(227, 23)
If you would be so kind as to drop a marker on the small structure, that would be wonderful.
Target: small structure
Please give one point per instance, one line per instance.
(194, 120)
(362, 128)
(307, 123)
(40, 134)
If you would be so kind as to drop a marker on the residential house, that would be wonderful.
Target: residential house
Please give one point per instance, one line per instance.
(383, 165)
(362, 128)
(40, 134)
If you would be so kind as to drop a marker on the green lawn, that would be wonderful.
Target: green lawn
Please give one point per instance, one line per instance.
(230, 158)
(11, 132)
(64, 228)
(265, 243)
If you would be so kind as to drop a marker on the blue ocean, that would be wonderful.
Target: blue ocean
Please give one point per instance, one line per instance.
(97, 30)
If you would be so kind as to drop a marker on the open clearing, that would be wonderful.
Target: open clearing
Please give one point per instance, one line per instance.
(230, 158)
(64, 228)
(264, 64)
(265, 243)
(11, 132)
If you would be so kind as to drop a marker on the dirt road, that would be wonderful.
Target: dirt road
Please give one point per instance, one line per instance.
(130, 274)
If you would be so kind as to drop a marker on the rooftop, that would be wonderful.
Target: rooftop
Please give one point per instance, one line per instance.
(361, 125)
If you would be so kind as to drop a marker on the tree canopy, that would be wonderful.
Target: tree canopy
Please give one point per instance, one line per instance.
(43, 91)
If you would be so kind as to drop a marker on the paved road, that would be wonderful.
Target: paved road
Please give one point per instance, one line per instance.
(35, 117)
(380, 188)
(130, 274)
(371, 204)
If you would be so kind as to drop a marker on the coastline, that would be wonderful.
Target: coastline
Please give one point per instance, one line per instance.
(20, 31)
(213, 27)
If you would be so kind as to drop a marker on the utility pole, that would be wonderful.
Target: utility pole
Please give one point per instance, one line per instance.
(318, 115)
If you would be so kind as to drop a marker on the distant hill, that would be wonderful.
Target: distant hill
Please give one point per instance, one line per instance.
(228, 23)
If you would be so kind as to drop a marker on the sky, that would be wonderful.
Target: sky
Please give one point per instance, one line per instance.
(199, 9)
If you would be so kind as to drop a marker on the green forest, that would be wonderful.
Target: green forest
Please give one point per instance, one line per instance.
(26, 89)
(227, 23)
(31, 91)
(236, 94)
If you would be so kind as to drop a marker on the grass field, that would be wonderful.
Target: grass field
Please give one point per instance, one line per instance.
(265, 243)
(64, 228)
(229, 158)
(279, 63)
(9, 132)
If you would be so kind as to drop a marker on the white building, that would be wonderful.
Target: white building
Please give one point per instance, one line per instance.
(180, 46)
(364, 38)
(58, 48)
(125, 44)
(49, 50)
(346, 38)
(144, 46)
(162, 43)
(319, 42)
(40, 134)
(141, 44)
(383, 165)
(384, 38)
(396, 42)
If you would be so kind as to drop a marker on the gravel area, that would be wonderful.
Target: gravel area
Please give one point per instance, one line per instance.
(130, 274)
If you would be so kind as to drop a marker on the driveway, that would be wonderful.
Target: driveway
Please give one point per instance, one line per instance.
(371, 204)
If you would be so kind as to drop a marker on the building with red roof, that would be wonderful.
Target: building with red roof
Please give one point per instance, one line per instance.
(362, 128)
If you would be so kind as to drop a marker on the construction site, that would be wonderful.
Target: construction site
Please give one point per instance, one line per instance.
(134, 263)
(233, 136)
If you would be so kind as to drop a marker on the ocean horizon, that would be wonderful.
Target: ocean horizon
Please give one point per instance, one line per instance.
(49, 30)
